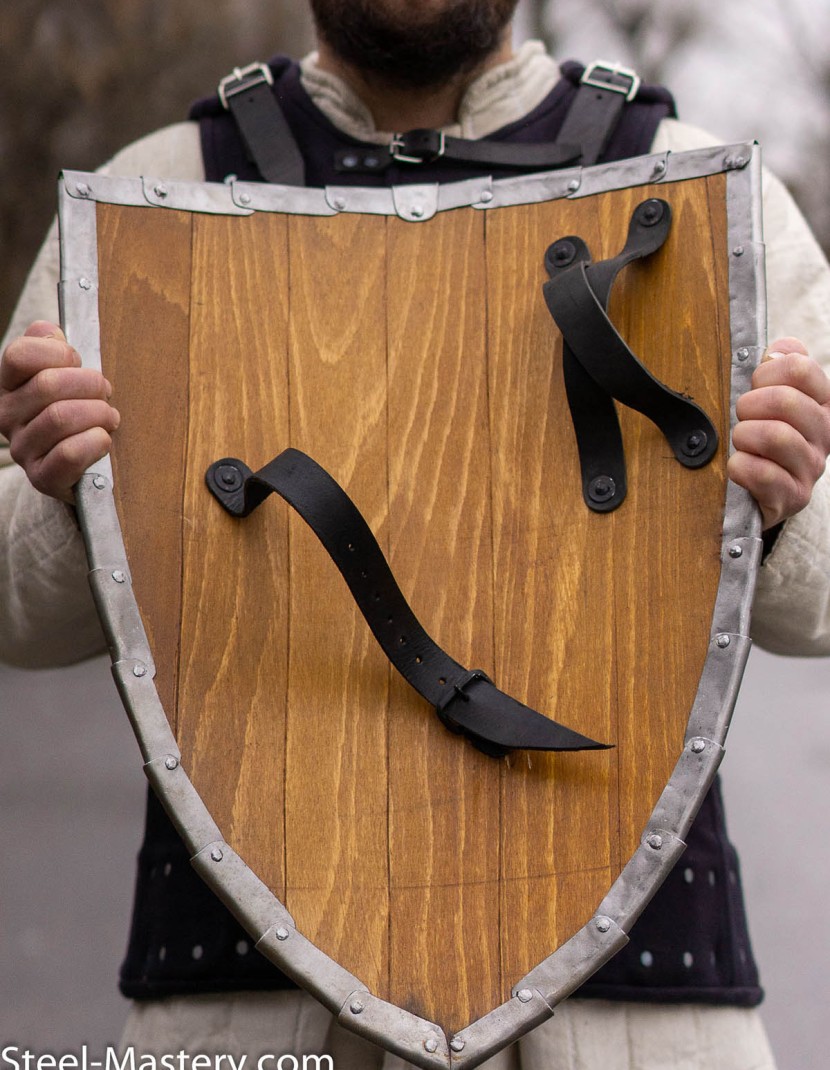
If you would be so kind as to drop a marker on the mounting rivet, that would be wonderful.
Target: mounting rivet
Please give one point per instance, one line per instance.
(431, 1044)
(723, 641)
(602, 489)
(282, 933)
(736, 551)
(139, 670)
(244, 198)
(84, 283)
(417, 210)
(655, 841)
(171, 762)
(119, 576)
(160, 190)
(486, 196)
(603, 924)
(524, 995)
(99, 482)
(660, 167)
(356, 1006)
(696, 442)
(743, 353)
(738, 250)
(698, 745)
(216, 854)
(457, 1044)
(339, 203)
(573, 185)
(82, 189)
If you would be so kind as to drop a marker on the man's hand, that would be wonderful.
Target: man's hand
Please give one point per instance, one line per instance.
(55, 414)
(782, 438)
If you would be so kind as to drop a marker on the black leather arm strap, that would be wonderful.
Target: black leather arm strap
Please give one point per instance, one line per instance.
(466, 700)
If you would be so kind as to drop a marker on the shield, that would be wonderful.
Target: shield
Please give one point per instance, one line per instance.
(440, 891)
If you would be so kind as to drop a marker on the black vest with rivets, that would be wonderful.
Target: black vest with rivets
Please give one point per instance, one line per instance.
(691, 943)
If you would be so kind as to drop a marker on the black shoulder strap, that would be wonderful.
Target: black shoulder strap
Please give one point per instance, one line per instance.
(604, 90)
(248, 96)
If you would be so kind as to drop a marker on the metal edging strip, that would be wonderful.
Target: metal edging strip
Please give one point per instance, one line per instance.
(261, 913)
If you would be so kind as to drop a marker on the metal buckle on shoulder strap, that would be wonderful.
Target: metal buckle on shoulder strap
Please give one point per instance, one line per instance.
(244, 78)
(593, 76)
(428, 144)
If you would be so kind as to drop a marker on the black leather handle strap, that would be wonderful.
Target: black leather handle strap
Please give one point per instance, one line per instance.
(593, 413)
(466, 700)
(601, 351)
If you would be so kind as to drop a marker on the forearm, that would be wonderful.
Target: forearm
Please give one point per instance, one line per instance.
(47, 616)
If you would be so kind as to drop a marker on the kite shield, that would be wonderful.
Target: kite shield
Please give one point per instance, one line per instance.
(525, 389)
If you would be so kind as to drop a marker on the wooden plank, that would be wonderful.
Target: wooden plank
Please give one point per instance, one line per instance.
(149, 372)
(234, 601)
(443, 794)
(553, 619)
(667, 534)
(336, 847)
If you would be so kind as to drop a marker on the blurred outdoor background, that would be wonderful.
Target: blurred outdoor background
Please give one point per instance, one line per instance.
(77, 81)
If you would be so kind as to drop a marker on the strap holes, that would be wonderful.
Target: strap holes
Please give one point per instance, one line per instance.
(442, 680)
(390, 620)
(364, 574)
(376, 596)
(402, 640)
(350, 547)
(419, 660)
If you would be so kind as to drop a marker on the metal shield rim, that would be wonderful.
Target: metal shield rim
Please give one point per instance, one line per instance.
(260, 912)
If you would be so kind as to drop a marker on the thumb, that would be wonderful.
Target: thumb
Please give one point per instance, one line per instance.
(44, 329)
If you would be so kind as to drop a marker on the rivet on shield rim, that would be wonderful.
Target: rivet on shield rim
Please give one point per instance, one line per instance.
(743, 353)
(171, 763)
(573, 185)
(736, 551)
(119, 576)
(655, 841)
(99, 482)
(282, 933)
(431, 1044)
(216, 854)
(660, 167)
(603, 924)
(738, 250)
(160, 190)
(486, 196)
(339, 203)
(84, 283)
(417, 210)
(82, 189)
(698, 745)
(457, 1044)
(524, 995)
(139, 670)
(356, 1006)
(723, 641)
(244, 198)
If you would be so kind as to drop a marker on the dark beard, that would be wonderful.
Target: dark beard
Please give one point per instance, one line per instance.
(413, 48)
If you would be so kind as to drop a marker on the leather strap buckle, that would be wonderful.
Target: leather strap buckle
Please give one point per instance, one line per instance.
(244, 78)
(418, 146)
(600, 74)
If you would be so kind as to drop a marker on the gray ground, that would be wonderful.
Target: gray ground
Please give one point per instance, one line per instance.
(71, 798)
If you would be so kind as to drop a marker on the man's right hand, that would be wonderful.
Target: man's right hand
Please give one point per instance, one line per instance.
(55, 414)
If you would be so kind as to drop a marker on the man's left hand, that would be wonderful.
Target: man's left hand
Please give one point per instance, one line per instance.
(782, 437)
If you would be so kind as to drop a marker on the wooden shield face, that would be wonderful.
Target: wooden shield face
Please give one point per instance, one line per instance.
(417, 362)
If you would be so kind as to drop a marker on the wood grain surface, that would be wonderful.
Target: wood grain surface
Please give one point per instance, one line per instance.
(419, 365)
